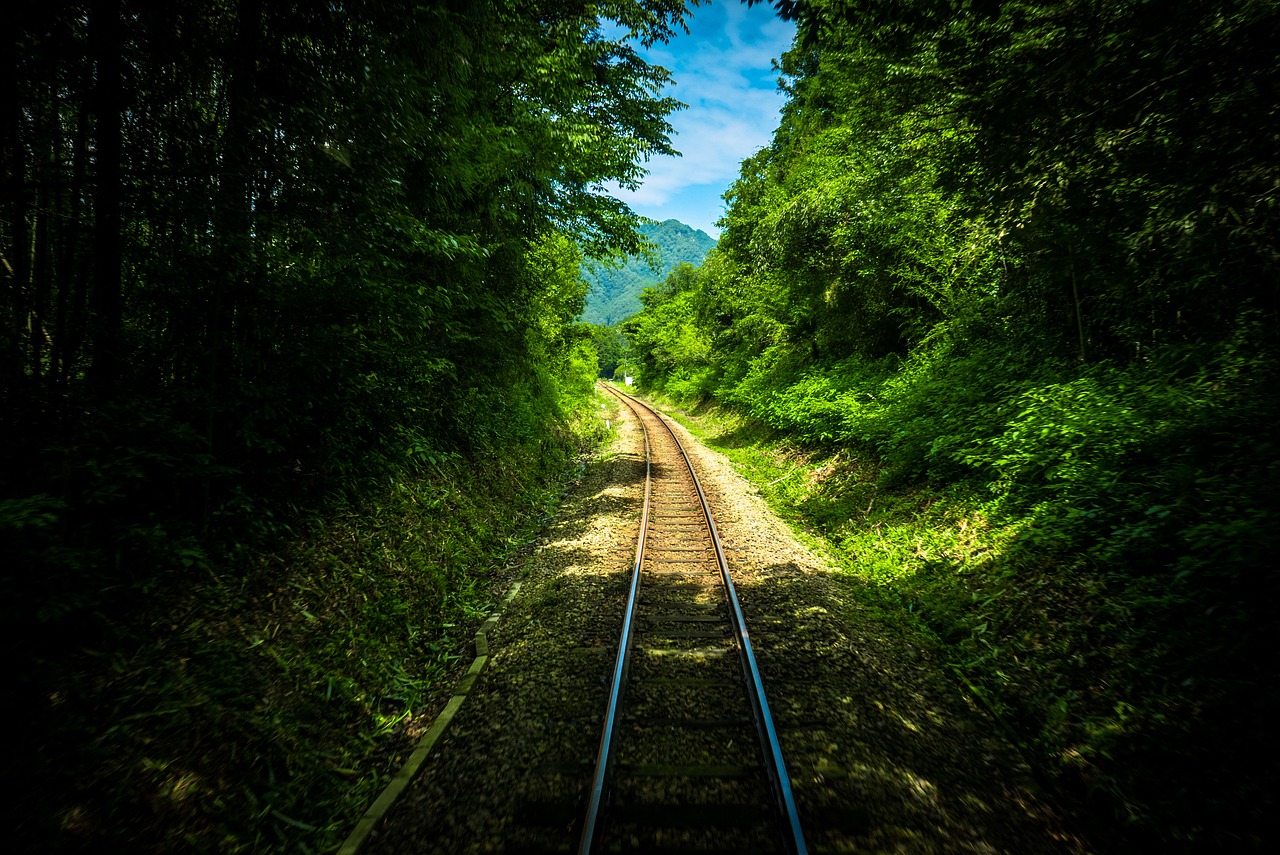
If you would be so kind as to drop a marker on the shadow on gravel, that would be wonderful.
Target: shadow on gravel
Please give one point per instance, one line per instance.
(514, 766)
(885, 751)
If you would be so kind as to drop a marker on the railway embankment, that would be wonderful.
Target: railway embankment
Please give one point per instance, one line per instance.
(883, 750)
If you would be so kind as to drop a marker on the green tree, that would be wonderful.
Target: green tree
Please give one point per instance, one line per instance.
(1027, 250)
(261, 257)
(611, 348)
(288, 234)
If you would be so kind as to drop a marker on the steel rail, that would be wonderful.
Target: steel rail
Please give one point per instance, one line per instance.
(604, 755)
(769, 743)
(776, 768)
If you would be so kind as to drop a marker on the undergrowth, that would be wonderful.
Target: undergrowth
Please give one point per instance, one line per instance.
(1085, 545)
(260, 704)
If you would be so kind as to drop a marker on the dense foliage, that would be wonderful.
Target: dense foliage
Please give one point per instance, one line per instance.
(261, 259)
(1010, 269)
(616, 287)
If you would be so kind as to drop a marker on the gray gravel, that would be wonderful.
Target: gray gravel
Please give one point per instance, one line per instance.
(885, 754)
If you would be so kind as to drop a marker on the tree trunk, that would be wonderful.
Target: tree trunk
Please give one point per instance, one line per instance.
(106, 301)
(15, 252)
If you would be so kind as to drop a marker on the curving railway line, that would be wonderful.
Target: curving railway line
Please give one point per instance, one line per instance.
(685, 758)
(689, 758)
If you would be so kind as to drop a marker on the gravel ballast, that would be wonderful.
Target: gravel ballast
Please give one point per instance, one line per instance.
(885, 754)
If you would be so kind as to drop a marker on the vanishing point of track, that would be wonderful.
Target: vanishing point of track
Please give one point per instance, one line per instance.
(689, 758)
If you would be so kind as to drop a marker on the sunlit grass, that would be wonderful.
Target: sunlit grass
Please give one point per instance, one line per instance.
(953, 570)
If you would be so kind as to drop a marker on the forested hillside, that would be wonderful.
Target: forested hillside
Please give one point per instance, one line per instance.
(289, 360)
(615, 291)
(1005, 284)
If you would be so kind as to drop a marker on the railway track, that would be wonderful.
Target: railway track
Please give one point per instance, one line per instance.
(689, 758)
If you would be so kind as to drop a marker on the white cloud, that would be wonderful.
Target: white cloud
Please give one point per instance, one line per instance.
(723, 72)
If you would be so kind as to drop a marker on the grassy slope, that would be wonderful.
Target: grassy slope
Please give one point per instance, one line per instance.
(260, 708)
(1074, 661)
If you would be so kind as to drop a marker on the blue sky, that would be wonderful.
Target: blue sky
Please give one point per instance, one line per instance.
(722, 70)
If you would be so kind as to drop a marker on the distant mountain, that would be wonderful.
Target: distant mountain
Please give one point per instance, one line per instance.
(615, 294)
